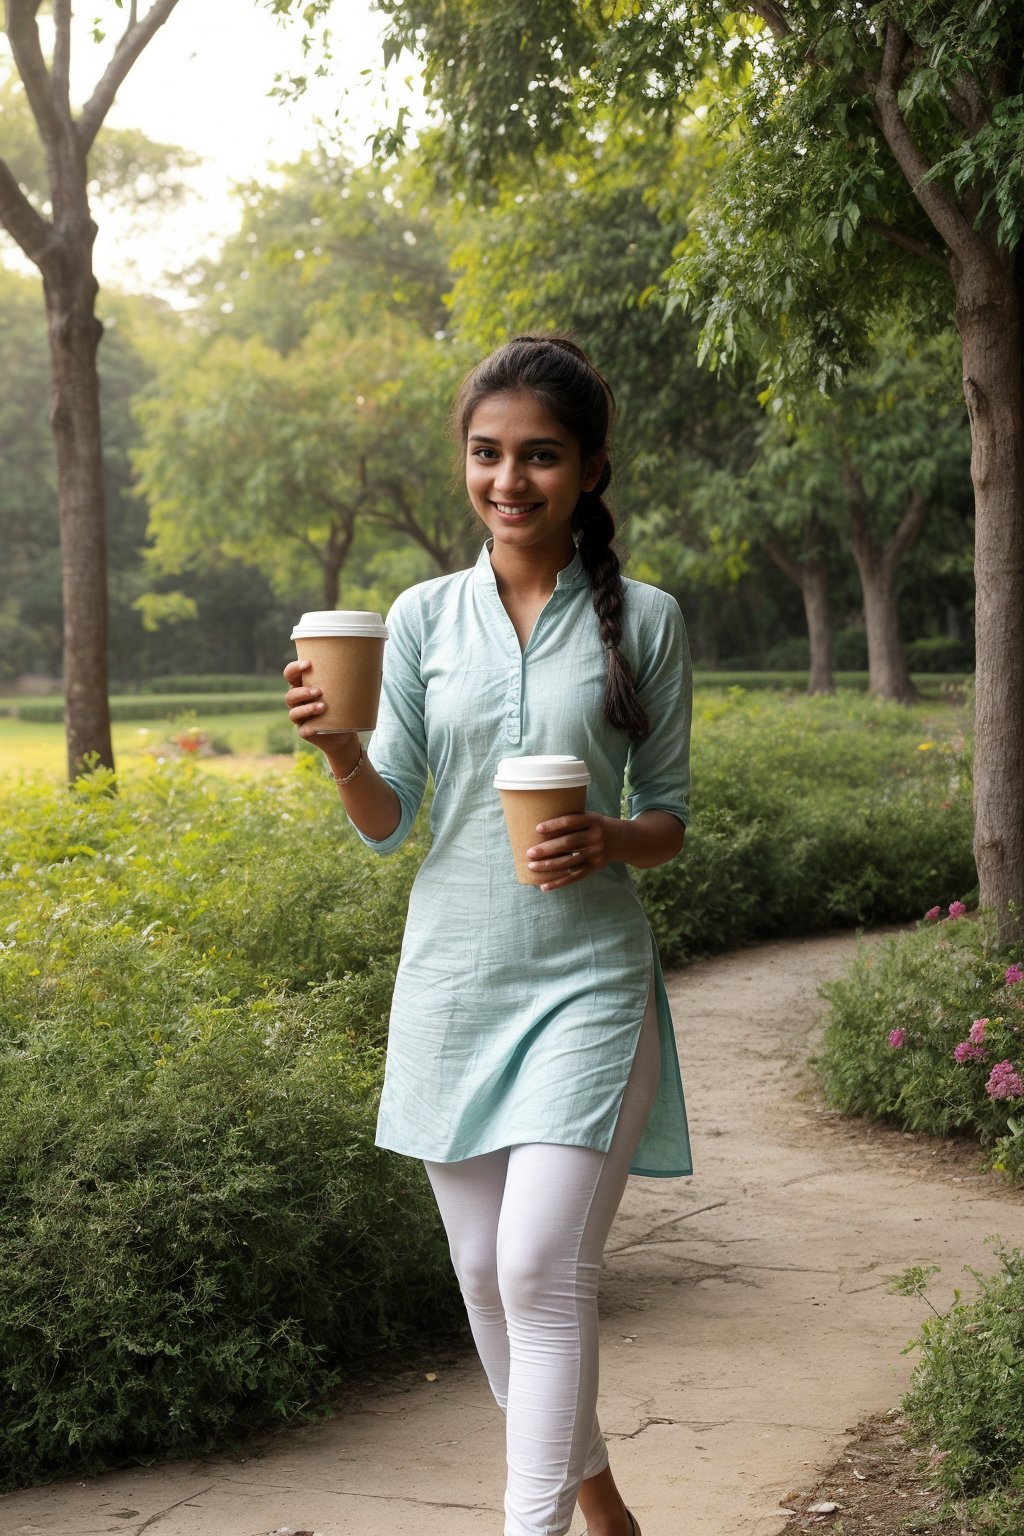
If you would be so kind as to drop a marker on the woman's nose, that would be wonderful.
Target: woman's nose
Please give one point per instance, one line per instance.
(509, 475)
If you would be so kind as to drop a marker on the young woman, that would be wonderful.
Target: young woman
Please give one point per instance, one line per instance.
(531, 1062)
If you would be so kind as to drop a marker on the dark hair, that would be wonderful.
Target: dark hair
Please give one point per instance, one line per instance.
(560, 374)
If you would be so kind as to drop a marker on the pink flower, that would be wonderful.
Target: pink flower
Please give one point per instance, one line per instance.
(897, 1039)
(933, 914)
(967, 1051)
(976, 1033)
(1005, 1082)
(1013, 975)
(956, 909)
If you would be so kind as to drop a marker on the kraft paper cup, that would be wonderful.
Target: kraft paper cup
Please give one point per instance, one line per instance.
(347, 652)
(536, 789)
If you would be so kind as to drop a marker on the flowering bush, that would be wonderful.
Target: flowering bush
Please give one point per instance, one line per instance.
(928, 1030)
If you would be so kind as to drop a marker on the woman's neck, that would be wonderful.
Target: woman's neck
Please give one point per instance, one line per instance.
(528, 574)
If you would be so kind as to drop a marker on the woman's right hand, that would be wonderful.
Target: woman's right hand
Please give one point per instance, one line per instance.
(304, 704)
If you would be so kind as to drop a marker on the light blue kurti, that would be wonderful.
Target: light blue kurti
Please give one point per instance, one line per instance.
(516, 1011)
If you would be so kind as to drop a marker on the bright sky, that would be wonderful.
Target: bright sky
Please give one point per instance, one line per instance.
(202, 83)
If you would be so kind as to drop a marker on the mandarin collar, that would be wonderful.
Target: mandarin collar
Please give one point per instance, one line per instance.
(571, 575)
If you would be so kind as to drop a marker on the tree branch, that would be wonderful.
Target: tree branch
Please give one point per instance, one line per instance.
(62, 57)
(908, 243)
(944, 213)
(22, 222)
(968, 104)
(773, 18)
(780, 556)
(907, 532)
(31, 66)
(133, 40)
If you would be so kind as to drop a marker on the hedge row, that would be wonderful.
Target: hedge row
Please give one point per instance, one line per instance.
(166, 706)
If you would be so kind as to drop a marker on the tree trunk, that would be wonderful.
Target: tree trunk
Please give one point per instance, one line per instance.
(811, 575)
(70, 288)
(988, 312)
(339, 545)
(888, 674)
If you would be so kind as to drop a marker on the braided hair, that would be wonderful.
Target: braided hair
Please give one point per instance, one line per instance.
(561, 376)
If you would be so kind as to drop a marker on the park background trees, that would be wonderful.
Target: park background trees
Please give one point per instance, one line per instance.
(741, 202)
(876, 154)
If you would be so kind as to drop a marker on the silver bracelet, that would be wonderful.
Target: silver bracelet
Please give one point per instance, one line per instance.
(350, 776)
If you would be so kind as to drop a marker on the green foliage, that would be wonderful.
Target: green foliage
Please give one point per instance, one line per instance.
(810, 814)
(965, 1402)
(196, 1231)
(897, 1015)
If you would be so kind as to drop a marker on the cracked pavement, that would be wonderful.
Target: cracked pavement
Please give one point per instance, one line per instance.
(745, 1317)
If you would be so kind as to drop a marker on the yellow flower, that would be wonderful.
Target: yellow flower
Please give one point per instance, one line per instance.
(925, 746)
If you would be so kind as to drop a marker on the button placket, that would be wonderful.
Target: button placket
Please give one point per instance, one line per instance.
(514, 702)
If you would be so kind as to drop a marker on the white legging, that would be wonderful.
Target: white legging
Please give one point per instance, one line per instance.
(527, 1227)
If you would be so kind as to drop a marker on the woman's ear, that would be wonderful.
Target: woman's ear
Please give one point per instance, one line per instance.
(595, 470)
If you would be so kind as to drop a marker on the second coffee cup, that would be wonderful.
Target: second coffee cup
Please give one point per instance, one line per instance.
(347, 651)
(536, 789)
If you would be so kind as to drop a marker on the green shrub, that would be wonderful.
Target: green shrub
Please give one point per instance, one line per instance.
(811, 814)
(196, 1231)
(915, 1029)
(851, 650)
(940, 654)
(966, 1401)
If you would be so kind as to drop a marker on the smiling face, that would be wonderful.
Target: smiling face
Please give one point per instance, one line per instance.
(524, 474)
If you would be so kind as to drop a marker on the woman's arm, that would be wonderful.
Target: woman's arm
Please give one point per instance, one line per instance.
(372, 805)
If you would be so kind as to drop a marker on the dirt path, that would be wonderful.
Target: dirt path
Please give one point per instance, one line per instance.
(745, 1317)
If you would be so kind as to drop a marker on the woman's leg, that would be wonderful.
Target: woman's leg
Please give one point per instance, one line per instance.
(556, 1213)
(471, 1197)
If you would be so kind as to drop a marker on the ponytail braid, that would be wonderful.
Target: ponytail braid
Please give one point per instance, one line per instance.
(560, 374)
(596, 527)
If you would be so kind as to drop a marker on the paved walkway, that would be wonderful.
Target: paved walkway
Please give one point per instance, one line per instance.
(746, 1319)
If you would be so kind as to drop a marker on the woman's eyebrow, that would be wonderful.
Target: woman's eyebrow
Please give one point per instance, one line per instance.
(529, 442)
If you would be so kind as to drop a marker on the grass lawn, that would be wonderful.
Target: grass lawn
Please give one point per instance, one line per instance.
(28, 747)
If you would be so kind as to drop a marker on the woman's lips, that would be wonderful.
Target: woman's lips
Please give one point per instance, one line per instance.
(511, 509)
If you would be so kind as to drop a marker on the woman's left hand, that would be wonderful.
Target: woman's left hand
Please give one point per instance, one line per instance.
(573, 847)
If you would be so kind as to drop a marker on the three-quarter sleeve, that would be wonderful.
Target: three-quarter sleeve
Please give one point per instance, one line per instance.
(658, 768)
(398, 746)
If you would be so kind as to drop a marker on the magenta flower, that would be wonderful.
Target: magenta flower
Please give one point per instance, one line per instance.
(1013, 975)
(956, 909)
(1005, 1082)
(933, 914)
(897, 1039)
(967, 1051)
(976, 1033)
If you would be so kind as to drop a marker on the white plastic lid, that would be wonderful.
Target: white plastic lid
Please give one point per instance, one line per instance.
(340, 621)
(541, 773)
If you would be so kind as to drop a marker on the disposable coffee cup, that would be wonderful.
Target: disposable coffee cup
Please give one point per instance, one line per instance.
(347, 652)
(536, 789)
